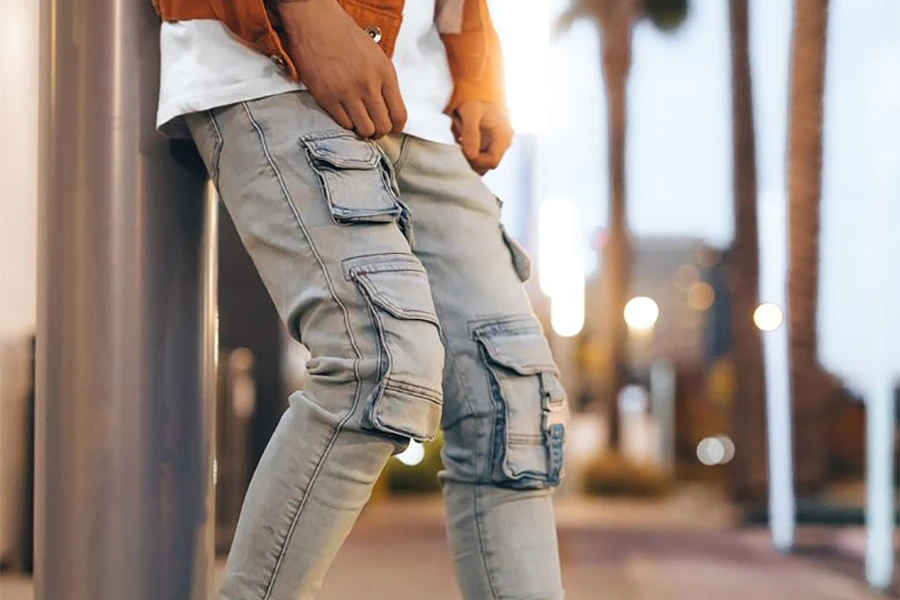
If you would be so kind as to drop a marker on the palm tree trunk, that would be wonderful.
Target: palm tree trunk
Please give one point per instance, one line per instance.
(748, 472)
(805, 187)
(616, 25)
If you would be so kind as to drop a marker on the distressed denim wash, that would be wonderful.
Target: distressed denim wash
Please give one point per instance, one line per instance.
(389, 262)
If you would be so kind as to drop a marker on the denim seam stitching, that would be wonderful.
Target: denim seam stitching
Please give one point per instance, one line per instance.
(403, 155)
(462, 381)
(217, 151)
(334, 159)
(382, 349)
(499, 456)
(386, 266)
(398, 385)
(372, 263)
(481, 544)
(327, 450)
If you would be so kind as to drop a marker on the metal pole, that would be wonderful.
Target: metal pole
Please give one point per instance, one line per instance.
(662, 392)
(126, 322)
(881, 420)
(773, 262)
(782, 504)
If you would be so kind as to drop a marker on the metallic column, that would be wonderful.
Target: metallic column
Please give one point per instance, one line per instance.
(126, 322)
(881, 422)
(773, 276)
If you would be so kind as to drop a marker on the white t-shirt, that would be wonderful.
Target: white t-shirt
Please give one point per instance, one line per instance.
(204, 66)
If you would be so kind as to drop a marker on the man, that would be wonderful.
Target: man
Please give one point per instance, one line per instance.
(388, 261)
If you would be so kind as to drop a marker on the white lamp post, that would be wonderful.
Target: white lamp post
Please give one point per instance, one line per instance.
(770, 318)
(561, 265)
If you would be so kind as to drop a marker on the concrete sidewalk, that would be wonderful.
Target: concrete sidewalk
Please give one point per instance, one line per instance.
(612, 550)
(682, 549)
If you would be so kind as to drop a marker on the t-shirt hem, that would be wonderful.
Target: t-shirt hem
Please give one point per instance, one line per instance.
(170, 121)
(169, 116)
(434, 128)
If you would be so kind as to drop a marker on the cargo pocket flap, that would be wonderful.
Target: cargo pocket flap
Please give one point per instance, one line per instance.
(344, 152)
(399, 289)
(525, 351)
(408, 415)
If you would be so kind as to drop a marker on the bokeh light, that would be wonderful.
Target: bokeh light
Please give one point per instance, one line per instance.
(561, 265)
(715, 450)
(685, 276)
(567, 305)
(768, 316)
(641, 313)
(700, 296)
(413, 455)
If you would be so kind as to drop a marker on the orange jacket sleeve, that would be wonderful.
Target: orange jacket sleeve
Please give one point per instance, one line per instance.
(476, 58)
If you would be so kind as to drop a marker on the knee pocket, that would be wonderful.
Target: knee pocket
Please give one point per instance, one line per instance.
(530, 403)
(406, 400)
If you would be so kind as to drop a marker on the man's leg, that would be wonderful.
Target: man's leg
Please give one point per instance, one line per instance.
(317, 210)
(504, 406)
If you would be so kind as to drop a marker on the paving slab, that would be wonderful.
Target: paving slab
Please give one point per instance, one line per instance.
(611, 551)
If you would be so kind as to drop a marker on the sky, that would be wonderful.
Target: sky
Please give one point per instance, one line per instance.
(679, 148)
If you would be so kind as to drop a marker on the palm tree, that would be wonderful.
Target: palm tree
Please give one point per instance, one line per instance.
(748, 469)
(616, 19)
(804, 189)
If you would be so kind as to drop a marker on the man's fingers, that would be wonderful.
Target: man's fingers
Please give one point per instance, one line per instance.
(395, 106)
(378, 112)
(456, 129)
(470, 139)
(337, 112)
(470, 134)
(497, 142)
(362, 122)
(485, 162)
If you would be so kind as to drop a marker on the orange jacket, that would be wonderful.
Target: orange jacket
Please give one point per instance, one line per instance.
(473, 49)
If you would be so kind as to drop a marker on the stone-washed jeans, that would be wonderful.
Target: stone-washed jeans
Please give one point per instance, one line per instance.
(389, 262)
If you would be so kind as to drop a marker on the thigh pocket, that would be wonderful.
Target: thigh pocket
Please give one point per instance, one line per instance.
(520, 259)
(531, 403)
(355, 176)
(407, 397)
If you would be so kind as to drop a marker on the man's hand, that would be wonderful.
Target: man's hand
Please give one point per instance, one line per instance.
(484, 133)
(343, 68)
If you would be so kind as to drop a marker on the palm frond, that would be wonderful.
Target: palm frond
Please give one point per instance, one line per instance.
(579, 9)
(666, 15)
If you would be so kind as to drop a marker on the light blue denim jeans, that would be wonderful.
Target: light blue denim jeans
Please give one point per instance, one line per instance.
(389, 262)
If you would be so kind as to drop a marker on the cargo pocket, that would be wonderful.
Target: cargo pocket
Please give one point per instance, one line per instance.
(520, 259)
(530, 400)
(407, 398)
(355, 176)
(519, 256)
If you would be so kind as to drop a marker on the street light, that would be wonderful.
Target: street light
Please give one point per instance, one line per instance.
(768, 317)
(525, 29)
(567, 305)
(641, 313)
(561, 264)
(413, 455)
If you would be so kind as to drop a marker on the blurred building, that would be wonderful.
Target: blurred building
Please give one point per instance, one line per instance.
(682, 276)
